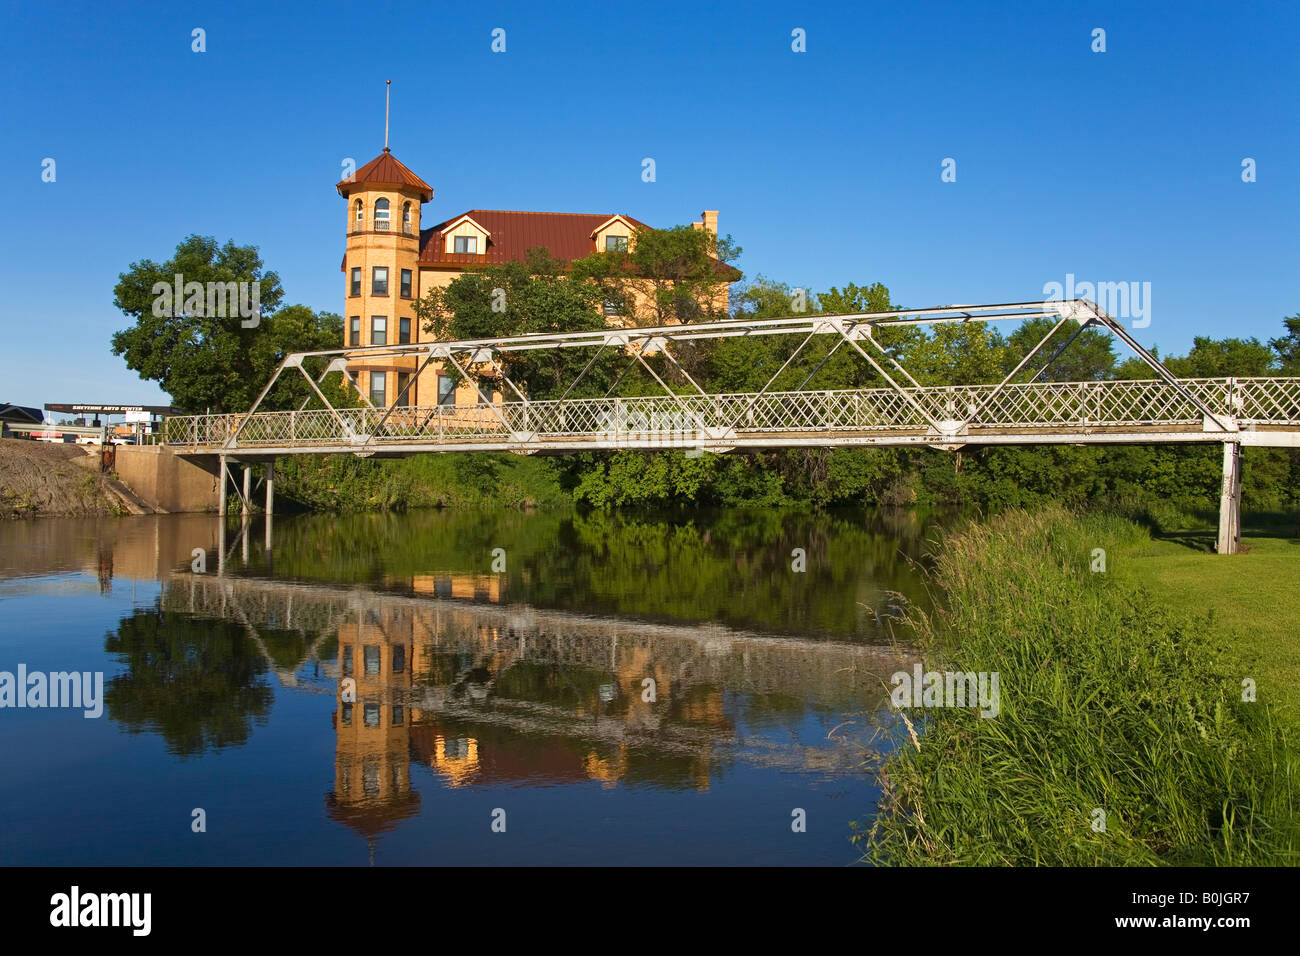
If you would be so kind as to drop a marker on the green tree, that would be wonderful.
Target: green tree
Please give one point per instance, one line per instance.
(1287, 346)
(745, 363)
(1210, 358)
(668, 275)
(1090, 357)
(957, 353)
(1219, 358)
(206, 360)
(764, 298)
(518, 298)
(848, 369)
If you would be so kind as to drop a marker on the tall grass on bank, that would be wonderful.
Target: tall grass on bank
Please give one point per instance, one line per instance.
(1108, 702)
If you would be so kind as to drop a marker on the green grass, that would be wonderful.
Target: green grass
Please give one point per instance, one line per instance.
(1115, 696)
(1250, 601)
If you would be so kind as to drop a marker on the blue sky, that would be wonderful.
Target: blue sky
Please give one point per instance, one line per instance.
(825, 165)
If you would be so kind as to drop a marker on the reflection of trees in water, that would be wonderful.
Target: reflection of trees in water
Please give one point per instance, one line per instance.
(374, 548)
(197, 682)
(735, 567)
(730, 566)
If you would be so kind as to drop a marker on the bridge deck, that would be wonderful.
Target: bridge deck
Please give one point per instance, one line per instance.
(1257, 411)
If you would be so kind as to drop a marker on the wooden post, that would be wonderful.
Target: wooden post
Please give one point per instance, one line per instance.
(248, 488)
(1230, 500)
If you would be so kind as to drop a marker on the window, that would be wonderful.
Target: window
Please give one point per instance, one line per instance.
(345, 713)
(372, 654)
(379, 280)
(381, 215)
(347, 661)
(370, 717)
(399, 658)
(406, 283)
(616, 243)
(379, 330)
(403, 400)
(406, 218)
(356, 282)
(354, 331)
(399, 715)
(403, 331)
(613, 307)
(465, 244)
(359, 219)
(378, 398)
(446, 390)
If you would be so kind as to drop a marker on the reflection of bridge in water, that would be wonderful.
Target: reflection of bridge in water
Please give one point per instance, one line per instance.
(487, 694)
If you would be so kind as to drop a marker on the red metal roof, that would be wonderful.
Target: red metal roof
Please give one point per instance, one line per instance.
(386, 170)
(566, 235)
(510, 234)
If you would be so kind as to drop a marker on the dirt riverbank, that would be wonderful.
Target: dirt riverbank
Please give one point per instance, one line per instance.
(40, 478)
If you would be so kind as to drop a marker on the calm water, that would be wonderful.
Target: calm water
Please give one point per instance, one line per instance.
(370, 689)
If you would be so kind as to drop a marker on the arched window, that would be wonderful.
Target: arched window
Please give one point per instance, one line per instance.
(358, 204)
(406, 218)
(381, 215)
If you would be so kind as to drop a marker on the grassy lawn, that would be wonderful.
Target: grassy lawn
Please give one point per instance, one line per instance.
(1254, 598)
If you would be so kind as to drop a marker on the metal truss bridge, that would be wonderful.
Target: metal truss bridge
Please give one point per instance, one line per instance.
(1022, 409)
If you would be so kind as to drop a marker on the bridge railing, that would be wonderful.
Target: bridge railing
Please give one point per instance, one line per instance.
(1268, 401)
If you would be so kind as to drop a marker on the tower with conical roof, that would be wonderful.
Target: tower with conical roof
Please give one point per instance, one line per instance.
(381, 272)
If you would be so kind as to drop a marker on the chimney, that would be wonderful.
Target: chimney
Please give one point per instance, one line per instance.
(710, 217)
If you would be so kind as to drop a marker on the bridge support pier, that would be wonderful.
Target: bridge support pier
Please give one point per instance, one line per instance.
(270, 503)
(221, 486)
(1230, 500)
(248, 489)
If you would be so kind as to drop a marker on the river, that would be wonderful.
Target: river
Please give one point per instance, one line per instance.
(451, 687)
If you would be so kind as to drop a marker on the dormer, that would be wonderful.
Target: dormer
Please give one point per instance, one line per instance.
(615, 234)
(464, 236)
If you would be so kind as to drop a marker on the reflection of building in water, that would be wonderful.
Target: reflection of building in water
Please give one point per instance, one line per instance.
(372, 768)
(455, 759)
(470, 587)
(482, 693)
(479, 704)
